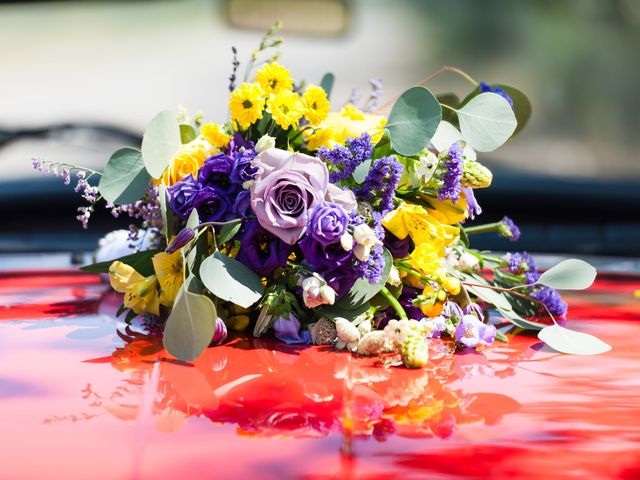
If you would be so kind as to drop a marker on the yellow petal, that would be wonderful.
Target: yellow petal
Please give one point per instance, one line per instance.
(142, 296)
(122, 275)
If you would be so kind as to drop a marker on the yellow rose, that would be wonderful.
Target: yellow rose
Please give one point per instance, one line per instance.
(187, 161)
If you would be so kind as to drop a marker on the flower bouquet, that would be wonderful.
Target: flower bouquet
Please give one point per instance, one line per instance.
(344, 228)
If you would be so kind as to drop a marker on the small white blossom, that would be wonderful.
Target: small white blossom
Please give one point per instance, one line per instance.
(365, 239)
(346, 241)
(364, 327)
(348, 335)
(394, 277)
(265, 143)
(468, 262)
(397, 331)
(316, 292)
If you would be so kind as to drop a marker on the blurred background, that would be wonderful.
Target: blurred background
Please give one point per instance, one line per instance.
(78, 79)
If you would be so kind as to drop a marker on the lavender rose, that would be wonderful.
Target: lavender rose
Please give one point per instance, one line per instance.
(287, 188)
(328, 223)
(182, 195)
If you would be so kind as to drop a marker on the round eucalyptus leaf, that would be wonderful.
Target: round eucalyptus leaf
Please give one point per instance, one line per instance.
(230, 280)
(446, 135)
(125, 178)
(570, 274)
(161, 142)
(190, 326)
(569, 341)
(413, 120)
(486, 121)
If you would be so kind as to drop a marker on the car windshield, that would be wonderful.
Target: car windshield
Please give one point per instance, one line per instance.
(80, 79)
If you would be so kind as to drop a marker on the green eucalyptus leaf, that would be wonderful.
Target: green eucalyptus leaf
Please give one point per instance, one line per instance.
(327, 83)
(140, 262)
(569, 341)
(518, 321)
(231, 280)
(413, 120)
(383, 147)
(187, 133)
(501, 337)
(446, 135)
(228, 231)
(521, 105)
(570, 274)
(194, 220)
(125, 178)
(166, 212)
(360, 173)
(486, 121)
(161, 142)
(190, 326)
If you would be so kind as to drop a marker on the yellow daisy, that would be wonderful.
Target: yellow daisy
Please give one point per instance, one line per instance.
(246, 104)
(274, 78)
(215, 135)
(286, 108)
(317, 104)
(169, 270)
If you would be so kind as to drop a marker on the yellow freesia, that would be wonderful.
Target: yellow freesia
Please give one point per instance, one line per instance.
(416, 221)
(169, 270)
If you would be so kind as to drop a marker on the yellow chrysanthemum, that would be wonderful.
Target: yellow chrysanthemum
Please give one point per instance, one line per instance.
(187, 161)
(215, 135)
(317, 104)
(274, 78)
(140, 293)
(416, 221)
(246, 104)
(322, 137)
(286, 108)
(169, 270)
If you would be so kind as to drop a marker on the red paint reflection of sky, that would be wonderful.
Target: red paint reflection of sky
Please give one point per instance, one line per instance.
(84, 396)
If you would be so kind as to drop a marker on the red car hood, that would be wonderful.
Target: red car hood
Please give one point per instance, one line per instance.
(83, 395)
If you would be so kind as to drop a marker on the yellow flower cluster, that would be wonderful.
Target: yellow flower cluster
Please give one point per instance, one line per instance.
(273, 92)
(349, 122)
(146, 294)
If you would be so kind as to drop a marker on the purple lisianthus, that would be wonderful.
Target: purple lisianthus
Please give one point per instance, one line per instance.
(220, 333)
(471, 332)
(184, 236)
(341, 279)
(216, 172)
(508, 229)
(399, 248)
(485, 87)
(287, 330)
(212, 206)
(182, 195)
(261, 251)
(242, 204)
(320, 256)
(327, 223)
(243, 170)
(287, 188)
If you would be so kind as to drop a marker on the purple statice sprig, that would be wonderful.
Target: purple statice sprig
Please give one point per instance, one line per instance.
(381, 183)
(343, 160)
(508, 229)
(234, 72)
(452, 177)
(377, 91)
(65, 171)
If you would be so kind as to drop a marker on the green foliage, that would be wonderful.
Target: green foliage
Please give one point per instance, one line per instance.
(125, 178)
(230, 280)
(187, 133)
(140, 262)
(413, 120)
(161, 142)
(486, 121)
(521, 105)
(190, 326)
(327, 83)
(166, 212)
(228, 231)
(570, 274)
(569, 341)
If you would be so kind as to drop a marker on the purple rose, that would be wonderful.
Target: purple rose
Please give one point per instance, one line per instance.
(287, 188)
(212, 205)
(216, 173)
(182, 195)
(261, 251)
(243, 169)
(320, 256)
(471, 332)
(327, 223)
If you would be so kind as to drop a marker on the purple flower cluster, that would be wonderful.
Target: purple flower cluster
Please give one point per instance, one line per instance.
(381, 181)
(471, 332)
(508, 229)
(218, 193)
(473, 207)
(261, 251)
(454, 164)
(521, 263)
(552, 300)
(485, 87)
(346, 159)
(373, 268)
(375, 95)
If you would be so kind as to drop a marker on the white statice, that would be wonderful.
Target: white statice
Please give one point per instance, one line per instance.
(348, 335)
(117, 244)
(316, 292)
(365, 239)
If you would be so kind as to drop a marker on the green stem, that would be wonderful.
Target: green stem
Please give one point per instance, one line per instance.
(395, 304)
(486, 228)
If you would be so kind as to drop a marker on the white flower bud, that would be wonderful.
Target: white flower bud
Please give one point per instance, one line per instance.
(468, 262)
(362, 252)
(265, 143)
(364, 235)
(328, 294)
(316, 292)
(394, 277)
(348, 334)
(346, 241)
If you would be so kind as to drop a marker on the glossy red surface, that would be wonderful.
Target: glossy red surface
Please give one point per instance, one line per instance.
(84, 396)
